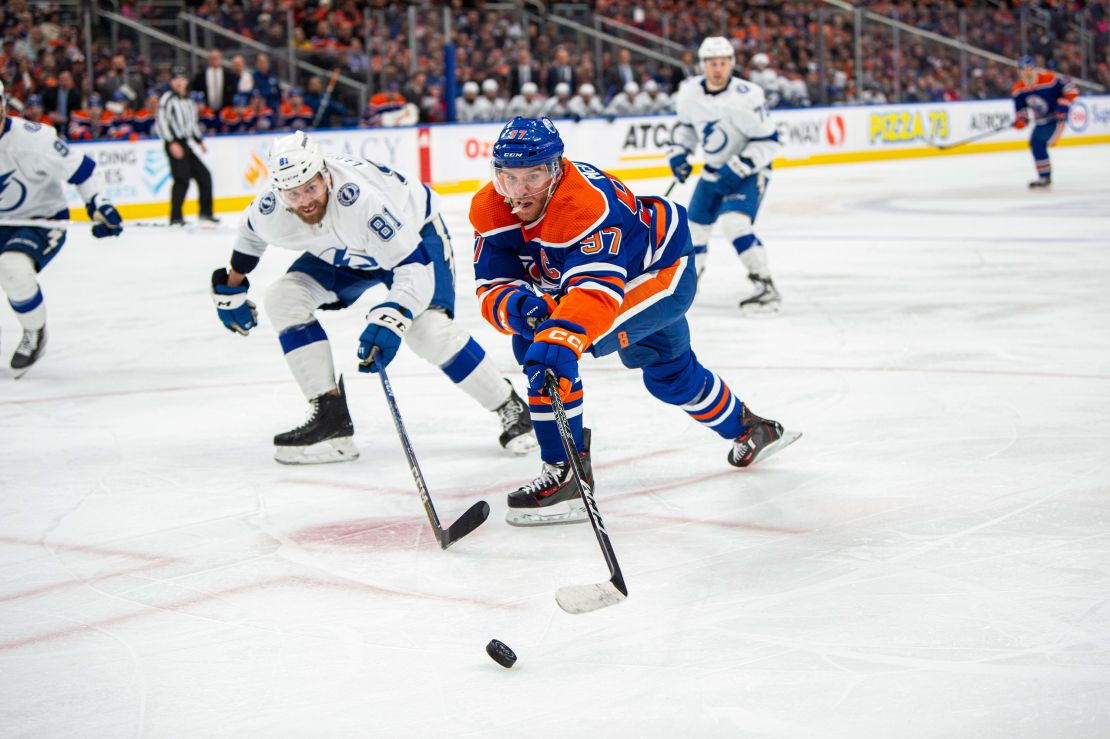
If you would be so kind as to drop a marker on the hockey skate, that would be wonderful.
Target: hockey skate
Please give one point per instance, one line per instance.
(1044, 181)
(326, 436)
(516, 425)
(765, 299)
(553, 497)
(30, 350)
(763, 438)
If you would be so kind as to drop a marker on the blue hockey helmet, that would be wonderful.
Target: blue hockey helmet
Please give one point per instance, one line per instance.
(241, 100)
(526, 142)
(198, 97)
(1027, 61)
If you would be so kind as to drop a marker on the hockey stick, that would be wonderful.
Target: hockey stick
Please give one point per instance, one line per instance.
(590, 597)
(474, 517)
(63, 223)
(968, 140)
(667, 194)
(326, 98)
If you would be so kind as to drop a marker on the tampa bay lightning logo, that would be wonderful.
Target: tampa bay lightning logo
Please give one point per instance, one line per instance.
(713, 139)
(267, 204)
(12, 192)
(348, 194)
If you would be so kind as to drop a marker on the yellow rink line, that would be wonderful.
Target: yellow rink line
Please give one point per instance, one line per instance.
(237, 203)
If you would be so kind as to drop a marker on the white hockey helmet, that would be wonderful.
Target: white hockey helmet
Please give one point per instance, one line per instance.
(631, 88)
(562, 89)
(470, 88)
(294, 161)
(714, 47)
(3, 102)
(651, 86)
(490, 85)
(529, 88)
(587, 89)
(761, 60)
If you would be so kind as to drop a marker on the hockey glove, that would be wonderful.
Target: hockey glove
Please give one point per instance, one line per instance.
(1021, 122)
(680, 165)
(237, 313)
(387, 325)
(730, 176)
(524, 310)
(558, 347)
(106, 219)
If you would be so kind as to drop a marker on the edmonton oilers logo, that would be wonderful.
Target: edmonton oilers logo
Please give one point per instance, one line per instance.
(267, 203)
(348, 194)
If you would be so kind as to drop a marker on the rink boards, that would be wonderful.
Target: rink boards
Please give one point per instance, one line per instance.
(454, 158)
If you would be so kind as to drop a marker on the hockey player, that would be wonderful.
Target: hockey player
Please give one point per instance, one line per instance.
(569, 262)
(468, 106)
(728, 117)
(361, 224)
(528, 104)
(654, 100)
(558, 105)
(586, 103)
(767, 78)
(1046, 98)
(495, 104)
(33, 164)
(627, 102)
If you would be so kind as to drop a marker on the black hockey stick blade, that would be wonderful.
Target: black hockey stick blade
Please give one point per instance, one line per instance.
(591, 597)
(474, 517)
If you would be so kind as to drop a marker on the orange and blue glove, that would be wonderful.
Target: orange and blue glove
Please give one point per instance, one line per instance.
(558, 346)
(523, 310)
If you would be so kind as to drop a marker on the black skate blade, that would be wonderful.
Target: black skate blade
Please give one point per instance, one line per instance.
(578, 599)
(474, 517)
(787, 438)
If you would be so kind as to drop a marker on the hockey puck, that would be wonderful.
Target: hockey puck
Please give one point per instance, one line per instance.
(500, 653)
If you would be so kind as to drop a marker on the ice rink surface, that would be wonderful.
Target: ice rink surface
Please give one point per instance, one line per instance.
(932, 559)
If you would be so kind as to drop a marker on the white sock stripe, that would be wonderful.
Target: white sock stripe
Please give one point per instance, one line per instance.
(707, 401)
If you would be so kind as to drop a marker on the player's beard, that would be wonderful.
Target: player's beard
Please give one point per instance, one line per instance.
(316, 216)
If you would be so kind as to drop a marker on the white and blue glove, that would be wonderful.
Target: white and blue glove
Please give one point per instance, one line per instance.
(387, 324)
(237, 313)
(730, 176)
(106, 219)
(680, 164)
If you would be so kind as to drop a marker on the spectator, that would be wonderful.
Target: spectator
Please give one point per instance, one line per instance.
(264, 117)
(294, 115)
(62, 101)
(622, 74)
(238, 117)
(265, 83)
(33, 111)
(215, 83)
(561, 71)
(767, 78)
(523, 72)
(243, 81)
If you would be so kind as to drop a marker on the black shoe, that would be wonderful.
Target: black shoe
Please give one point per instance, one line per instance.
(764, 299)
(516, 425)
(209, 218)
(553, 497)
(30, 349)
(1045, 181)
(326, 436)
(759, 434)
(177, 221)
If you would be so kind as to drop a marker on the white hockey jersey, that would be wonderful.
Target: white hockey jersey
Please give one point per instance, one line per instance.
(520, 105)
(734, 122)
(373, 222)
(34, 163)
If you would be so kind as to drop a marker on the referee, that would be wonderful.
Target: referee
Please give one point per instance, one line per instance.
(176, 123)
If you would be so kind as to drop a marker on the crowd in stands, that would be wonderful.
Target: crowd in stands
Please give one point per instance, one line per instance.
(508, 64)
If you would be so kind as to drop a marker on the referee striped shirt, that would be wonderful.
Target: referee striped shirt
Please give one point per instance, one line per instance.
(177, 118)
